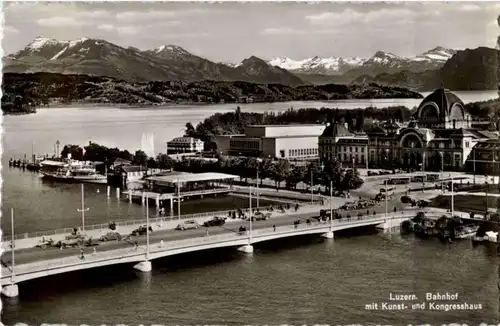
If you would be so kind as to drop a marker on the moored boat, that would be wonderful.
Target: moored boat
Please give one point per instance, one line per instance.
(466, 231)
(72, 171)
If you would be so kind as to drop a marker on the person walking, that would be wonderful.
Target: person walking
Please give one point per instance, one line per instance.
(95, 251)
(274, 228)
(161, 244)
(206, 234)
(81, 254)
(136, 245)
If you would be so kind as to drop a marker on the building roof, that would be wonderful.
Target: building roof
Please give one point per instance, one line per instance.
(336, 130)
(444, 99)
(287, 126)
(121, 161)
(53, 163)
(133, 168)
(192, 177)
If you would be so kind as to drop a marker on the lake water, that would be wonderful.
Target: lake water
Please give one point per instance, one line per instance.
(123, 128)
(305, 281)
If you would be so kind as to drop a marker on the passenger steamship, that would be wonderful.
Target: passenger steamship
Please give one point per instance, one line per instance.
(71, 171)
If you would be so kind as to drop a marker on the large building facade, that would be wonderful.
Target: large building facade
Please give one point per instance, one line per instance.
(293, 142)
(182, 145)
(440, 136)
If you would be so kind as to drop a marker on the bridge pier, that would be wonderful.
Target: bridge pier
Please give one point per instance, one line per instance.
(248, 249)
(144, 266)
(328, 235)
(10, 291)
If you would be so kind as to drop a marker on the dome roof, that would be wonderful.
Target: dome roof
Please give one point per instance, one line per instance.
(439, 104)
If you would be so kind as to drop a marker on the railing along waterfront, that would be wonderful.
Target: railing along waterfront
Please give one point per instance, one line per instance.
(135, 222)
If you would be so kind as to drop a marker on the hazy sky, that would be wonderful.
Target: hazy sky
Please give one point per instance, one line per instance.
(234, 31)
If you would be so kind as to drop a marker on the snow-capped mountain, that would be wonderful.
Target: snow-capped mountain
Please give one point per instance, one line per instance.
(380, 62)
(167, 62)
(317, 65)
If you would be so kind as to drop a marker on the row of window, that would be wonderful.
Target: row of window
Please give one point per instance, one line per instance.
(234, 143)
(347, 158)
(302, 152)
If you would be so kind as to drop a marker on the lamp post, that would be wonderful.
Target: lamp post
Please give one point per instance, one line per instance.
(331, 206)
(385, 185)
(257, 187)
(442, 172)
(312, 192)
(250, 218)
(147, 229)
(474, 163)
(452, 199)
(178, 199)
(13, 245)
(83, 209)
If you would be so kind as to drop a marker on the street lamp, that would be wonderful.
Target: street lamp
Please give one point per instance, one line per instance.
(257, 187)
(442, 172)
(452, 199)
(178, 199)
(250, 218)
(13, 245)
(147, 229)
(385, 185)
(83, 209)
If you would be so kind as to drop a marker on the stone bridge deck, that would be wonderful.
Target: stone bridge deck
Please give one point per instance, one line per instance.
(44, 268)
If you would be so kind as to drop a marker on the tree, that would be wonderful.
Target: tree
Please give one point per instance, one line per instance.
(140, 158)
(189, 129)
(164, 161)
(75, 151)
(265, 169)
(249, 167)
(281, 171)
(297, 174)
(360, 120)
(351, 180)
(151, 163)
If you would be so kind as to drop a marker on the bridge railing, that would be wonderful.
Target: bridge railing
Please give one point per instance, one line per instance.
(135, 222)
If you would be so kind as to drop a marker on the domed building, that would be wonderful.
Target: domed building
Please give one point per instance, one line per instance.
(439, 136)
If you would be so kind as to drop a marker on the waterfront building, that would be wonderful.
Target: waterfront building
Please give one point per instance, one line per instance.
(293, 142)
(184, 144)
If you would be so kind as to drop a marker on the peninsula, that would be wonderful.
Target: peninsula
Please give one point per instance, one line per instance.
(42, 89)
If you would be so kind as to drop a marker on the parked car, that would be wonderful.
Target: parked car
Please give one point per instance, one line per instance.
(216, 221)
(141, 230)
(259, 216)
(111, 236)
(187, 225)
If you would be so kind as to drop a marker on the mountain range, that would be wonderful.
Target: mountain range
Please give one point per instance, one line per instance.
(458, 69)
(165, 63)
(380, 62)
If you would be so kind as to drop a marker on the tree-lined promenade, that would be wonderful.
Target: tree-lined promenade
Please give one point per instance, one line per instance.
(280, 171)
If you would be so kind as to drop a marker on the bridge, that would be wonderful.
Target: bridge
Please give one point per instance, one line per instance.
(143, 255)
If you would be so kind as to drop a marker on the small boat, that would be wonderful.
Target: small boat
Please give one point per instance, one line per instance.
(466, 231)
(492, 236)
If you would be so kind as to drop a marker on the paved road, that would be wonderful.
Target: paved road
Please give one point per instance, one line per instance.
(29, 255)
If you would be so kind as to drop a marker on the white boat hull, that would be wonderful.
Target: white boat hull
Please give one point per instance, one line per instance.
(87, 179)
